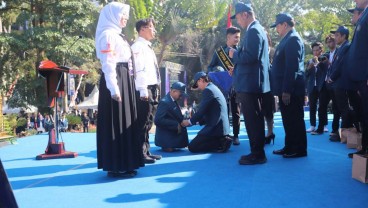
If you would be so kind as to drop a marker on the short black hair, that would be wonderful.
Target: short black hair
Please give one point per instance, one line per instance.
(319, 44)
(346, 35)
(291, 22)
(143, 23)
(232, 30)
(329, 37)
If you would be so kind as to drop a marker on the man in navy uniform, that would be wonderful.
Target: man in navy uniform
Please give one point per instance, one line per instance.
(288, 84)
(212, 113)
(170, 135)
(345, 91)
(315, 75)
(232, 40)
(358, 67)
(355, 14)
(326, 93)
(251, 80)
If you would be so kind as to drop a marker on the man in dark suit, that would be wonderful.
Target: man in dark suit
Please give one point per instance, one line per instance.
(326, 93)
(251, 80)
(232, 40)
(345, 91)
(358, 67)
(288, 84)
(315, 76)
(170, 135)
(212, 113)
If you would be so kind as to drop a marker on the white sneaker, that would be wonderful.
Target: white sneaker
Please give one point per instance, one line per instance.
(325, 129)
(311, 128)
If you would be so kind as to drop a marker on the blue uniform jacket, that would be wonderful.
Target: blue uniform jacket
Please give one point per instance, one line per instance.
(311, 76)
(339, 73)
(167, 119)
(288, 66)
(212, 112)
(252, 62)
(358, 53)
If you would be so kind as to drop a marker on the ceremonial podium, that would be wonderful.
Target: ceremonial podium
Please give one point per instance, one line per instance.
(54, 76)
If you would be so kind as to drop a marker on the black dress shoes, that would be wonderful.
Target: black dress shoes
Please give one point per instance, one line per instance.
(317, 132)
(156, 157)
(236, 141)
(243, 157)
(360, 152)
(252, 160)
(225, 144)
(169, 149)
(118, 174)
(279, 152)
(335, 138)
(149, 160)
(295, 154)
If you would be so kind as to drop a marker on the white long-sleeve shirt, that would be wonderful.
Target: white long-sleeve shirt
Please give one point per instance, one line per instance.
(114, 49)
(145, 66)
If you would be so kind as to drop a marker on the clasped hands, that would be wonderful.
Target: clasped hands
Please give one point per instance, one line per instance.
(185, 123)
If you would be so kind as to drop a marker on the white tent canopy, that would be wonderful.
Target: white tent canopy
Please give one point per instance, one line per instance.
(28, 109)
(91, 102)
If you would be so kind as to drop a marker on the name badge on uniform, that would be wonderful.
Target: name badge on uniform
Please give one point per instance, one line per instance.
(224, 58)
(359, 27)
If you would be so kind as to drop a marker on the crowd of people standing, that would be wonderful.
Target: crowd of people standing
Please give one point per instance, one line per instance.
(130, 90)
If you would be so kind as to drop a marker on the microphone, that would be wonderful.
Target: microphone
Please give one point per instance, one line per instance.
(76, 40)
(71, 46)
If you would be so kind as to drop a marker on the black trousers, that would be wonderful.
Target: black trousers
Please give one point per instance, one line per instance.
(251, 106)
(202, 143)
(293, 121)
(325, 96)
(7, 198)
(313, 101)
(349, 104)
(146, 111)
(85, 128)
(235, 113)
(363, 91)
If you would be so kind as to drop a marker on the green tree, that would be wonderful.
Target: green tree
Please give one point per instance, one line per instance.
(177, 17)
(44, 30)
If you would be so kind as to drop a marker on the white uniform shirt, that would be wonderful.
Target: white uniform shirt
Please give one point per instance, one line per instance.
(332, 54)
(114, 49)
(145, 66)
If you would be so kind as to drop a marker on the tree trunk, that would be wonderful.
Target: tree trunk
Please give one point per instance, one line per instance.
(162, 51)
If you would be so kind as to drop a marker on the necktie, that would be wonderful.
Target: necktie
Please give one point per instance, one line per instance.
(156, 65)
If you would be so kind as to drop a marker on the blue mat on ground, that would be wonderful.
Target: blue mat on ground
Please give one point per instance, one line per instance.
(182, 179)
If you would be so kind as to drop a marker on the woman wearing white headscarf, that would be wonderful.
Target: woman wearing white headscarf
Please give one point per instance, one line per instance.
(118, 150)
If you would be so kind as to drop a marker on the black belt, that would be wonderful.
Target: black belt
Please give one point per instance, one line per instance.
(122, 63)
(152, 86)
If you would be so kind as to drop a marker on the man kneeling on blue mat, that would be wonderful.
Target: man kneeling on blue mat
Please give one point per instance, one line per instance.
(170, 135)
(212, 113)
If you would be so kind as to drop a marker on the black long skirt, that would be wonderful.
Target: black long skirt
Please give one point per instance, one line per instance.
(118, 144)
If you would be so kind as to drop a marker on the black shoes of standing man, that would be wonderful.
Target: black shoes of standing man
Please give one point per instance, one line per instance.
(252, 159)
(225, 144)
(118, 174)
(236, 140)
(289, 154)
(360, 152)
(149, 158)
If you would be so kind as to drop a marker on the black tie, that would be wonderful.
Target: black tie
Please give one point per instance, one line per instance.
(156, 65)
